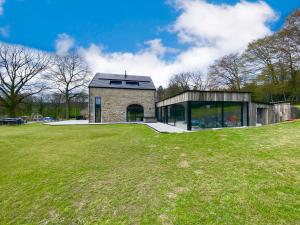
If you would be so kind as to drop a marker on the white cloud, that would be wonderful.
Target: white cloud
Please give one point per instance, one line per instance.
(227, 27)
(4, 31)
(157, 48)
(1, 6)
(210, 31)
(145, 62)
(64, 43)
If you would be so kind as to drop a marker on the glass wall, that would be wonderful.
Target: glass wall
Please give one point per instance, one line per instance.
(180, 115)
(164, 114)
(159, 115)
(206, 115)
(232, 114)
(175, 115)
(203, 115)
(171, 115)
(245, 114)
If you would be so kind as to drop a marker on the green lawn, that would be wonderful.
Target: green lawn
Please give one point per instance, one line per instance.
(128, 174)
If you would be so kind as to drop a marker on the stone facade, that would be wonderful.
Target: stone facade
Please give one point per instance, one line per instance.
(114, 103)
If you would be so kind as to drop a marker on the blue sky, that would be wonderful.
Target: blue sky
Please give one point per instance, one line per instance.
(117, 25)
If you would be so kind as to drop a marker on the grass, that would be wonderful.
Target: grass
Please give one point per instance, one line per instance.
(128, 174)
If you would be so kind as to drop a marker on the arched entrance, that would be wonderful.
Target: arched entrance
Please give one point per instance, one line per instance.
(135, 113)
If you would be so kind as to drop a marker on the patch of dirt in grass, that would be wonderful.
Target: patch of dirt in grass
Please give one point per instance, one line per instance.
(152, 146)
(171, 195)
(53, 215)
(176, 191)
(179, 190)
(198, 172)
(184, 164)
(80, 205)
(165, 220)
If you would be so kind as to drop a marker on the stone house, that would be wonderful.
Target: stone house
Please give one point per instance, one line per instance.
(121, 98)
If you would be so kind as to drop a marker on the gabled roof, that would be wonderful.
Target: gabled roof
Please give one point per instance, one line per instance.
(106, 80)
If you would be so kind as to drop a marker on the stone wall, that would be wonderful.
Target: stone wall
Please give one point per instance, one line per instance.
(114, 103)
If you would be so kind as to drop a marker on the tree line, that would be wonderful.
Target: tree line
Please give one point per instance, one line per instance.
(269, 67)
(37, 82)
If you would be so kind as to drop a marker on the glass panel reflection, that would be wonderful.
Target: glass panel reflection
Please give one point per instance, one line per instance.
(206, 115)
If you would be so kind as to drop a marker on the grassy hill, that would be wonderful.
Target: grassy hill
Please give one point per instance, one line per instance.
(128, 174)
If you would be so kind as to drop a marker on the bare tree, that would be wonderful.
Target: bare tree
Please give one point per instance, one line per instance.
(198, 81)
(181, 80)
(261, 57)
(292, 25)
(227, 72)
(189, 80)
(288, 51)
(20, 75)
(70, 75)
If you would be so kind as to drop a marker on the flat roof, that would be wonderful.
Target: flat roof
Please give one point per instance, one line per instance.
(271, 103)
(203, 91)
(207, 96)
(122, 81)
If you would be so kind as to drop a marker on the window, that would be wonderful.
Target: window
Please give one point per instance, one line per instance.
(199, 115)
(135, 113)
(206, 115)
(132, 83)
(115, 82)
(97, 109)
(171, 115)
(176, 116)
(159, 114)
(180, 116)
(232, 114)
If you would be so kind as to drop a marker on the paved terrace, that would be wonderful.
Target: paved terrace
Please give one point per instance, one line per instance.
(159, 127)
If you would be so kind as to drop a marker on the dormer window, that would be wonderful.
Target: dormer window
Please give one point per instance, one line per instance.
(115, 82)
(132, 83)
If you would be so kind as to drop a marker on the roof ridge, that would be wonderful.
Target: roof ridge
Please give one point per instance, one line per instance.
(118, 74)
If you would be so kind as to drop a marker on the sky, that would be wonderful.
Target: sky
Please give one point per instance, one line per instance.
(156, 38)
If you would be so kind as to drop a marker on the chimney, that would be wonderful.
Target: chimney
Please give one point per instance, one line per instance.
(125, 74)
